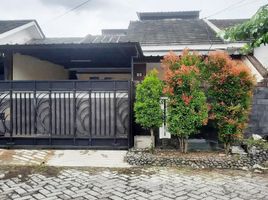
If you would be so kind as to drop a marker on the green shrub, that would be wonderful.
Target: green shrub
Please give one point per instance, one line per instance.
(262, 144)
(147, 107)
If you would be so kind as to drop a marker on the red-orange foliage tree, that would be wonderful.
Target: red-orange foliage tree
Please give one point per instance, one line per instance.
(187, 108)
(230, 89)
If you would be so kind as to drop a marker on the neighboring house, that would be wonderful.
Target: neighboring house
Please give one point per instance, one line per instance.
(78, 91)
(259, 53)
(258, 62)
(19, 31)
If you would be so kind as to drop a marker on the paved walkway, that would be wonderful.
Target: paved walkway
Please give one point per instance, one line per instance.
(64, 158)
(88, 158)
(133, 183)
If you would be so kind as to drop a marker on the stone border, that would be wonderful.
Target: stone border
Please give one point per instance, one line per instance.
(144, 158)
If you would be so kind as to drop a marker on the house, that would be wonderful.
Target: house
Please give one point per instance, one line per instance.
(78, 92)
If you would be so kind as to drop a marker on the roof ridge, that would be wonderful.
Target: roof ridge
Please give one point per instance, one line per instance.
(63, 37)
(165, 20)
(231, 19)
(170, 11)
(168, 15)
(17, 20)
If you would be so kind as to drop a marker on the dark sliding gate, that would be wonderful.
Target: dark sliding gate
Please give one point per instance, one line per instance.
(66, 114)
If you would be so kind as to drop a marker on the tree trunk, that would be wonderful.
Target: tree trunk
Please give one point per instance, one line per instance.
(152, 138)
(227, 146)
(185, 145)
(181, 144)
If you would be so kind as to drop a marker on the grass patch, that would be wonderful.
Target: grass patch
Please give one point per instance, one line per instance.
(23, 172)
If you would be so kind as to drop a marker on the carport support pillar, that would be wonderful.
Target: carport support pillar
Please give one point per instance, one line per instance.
(8, 65)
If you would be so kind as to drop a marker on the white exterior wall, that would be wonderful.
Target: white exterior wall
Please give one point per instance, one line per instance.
(31, 68)
(253, 70)
(261, 53)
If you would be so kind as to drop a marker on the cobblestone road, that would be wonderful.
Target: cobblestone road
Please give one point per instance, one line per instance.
(134, 183)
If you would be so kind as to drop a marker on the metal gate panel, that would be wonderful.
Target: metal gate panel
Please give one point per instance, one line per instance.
(65, 113)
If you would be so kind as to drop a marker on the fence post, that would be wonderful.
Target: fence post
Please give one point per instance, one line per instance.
(35, 113)
(130, 114)
(89, 115)
(115, 114)
(50, 114)
(11, 110)
(74, 112)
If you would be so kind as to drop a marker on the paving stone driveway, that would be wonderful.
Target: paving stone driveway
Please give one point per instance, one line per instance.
(136, 183)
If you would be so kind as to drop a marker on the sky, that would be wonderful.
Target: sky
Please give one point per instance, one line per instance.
(59, 18)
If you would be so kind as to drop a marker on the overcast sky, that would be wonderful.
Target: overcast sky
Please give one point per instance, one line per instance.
(56, 19)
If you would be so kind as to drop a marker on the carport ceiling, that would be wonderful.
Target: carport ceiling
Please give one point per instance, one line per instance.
(82, 55)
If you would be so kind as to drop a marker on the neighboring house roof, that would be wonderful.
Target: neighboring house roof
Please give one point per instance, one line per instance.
(226, 23)
(7, 25)
(104, 39)
(80, 40)
(168, 15)
(19, 31)
(170, 32)
(58, 40)
(114, 32)
(219, 25)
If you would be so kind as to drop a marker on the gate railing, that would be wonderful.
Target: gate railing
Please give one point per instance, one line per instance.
(76, 110)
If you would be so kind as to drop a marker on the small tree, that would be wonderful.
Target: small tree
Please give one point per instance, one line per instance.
(187, 109)
(230, 91)
(147, 107)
